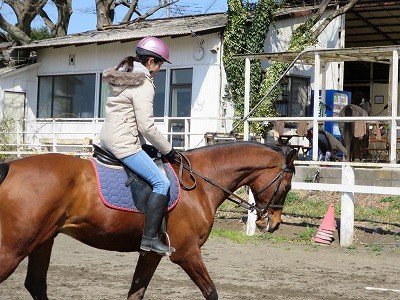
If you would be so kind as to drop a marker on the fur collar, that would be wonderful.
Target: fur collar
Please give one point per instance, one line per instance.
(118, 78)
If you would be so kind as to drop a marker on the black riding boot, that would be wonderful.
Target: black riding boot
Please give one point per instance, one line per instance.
(155, 212)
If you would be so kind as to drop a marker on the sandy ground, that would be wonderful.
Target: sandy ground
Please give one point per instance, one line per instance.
(261, 270)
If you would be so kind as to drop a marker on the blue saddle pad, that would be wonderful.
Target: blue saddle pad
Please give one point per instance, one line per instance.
(113, 192)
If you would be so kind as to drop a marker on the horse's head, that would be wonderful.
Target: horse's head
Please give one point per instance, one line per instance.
(366, 105)
(270, 189)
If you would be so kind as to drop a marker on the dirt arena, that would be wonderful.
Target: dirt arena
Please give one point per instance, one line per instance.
(259, 270)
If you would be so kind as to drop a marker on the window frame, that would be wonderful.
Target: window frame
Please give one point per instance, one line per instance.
(53, 78)
(178, 140)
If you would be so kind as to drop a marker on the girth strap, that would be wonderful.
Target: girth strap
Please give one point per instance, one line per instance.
(3, 171)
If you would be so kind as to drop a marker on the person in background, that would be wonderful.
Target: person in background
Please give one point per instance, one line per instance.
(130, 122)
(328, 145)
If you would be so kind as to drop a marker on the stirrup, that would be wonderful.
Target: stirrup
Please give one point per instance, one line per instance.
(170, 248)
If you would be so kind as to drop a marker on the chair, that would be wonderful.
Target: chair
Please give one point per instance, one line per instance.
(378, 149)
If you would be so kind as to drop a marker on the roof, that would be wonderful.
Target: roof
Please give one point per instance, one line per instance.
(379, 54)
(179, 26)
(175, 26)
(369, 22)
(373, 22)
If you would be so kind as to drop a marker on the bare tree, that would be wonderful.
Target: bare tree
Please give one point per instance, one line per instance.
(26, 11)
(105, 10)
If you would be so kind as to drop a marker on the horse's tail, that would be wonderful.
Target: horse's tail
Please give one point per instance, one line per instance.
(348, 112)
(3, 171)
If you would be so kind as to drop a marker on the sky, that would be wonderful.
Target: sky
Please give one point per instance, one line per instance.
(81, 20)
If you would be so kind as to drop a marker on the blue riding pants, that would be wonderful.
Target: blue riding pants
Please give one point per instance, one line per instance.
(141, 164)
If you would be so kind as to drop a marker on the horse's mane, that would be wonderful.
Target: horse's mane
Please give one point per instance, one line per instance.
(283, 150)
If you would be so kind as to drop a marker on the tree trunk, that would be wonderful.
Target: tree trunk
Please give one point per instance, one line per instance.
(105, 13)
(64, 9)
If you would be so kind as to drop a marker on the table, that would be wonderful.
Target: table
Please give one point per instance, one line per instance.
(284, 139)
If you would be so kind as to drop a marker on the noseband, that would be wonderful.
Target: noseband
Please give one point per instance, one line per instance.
(184, 163)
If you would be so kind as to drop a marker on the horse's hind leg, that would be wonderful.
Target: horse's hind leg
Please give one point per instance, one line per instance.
(38, 265)
(145, 268)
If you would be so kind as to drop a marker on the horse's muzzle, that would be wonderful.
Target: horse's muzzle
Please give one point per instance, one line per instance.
(268, 224)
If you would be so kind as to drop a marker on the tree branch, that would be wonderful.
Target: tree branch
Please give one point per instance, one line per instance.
(46, 19)
(335, 13)
(153, 10)
(131, 11)
(18, 35)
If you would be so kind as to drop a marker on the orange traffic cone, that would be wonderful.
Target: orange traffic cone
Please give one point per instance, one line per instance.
(327, 227)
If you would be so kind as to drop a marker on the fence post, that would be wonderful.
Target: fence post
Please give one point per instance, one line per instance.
(317, 87)
(251, 217)
(347, 208)
(393, 109)
(246, 98)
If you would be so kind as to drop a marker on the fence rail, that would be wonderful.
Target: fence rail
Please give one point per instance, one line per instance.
(72, 136)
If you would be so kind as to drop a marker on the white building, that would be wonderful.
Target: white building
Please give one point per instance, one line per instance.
(65, 80)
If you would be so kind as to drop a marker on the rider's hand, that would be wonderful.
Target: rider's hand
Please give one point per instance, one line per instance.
(171, 155)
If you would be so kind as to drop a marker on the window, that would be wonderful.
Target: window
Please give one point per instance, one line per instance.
(66, 96)
(180, 103)
(159, 97)
(104, 91)
(293, 100)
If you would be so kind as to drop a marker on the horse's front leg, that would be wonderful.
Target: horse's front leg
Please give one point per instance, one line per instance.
(38, 265)
(145, 268)
(193, 264)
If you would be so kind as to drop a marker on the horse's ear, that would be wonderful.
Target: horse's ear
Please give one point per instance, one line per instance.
(290, 155)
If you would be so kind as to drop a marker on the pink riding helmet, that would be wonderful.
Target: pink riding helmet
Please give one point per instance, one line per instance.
(152, 46)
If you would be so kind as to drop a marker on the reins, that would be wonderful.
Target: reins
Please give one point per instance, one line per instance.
(238, 200)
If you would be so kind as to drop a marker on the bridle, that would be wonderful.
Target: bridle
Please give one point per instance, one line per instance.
(277, 178)
(263, 214)
(184, 163)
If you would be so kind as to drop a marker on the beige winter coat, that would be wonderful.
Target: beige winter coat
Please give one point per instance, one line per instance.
(129, 114)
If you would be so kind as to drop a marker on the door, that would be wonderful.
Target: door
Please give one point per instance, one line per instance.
(298, 96)
(13, 117)
(180, 105)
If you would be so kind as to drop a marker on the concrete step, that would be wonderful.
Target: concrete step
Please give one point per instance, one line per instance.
(363, 176)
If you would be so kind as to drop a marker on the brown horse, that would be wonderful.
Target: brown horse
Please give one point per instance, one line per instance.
(48, 194)
(354, 145)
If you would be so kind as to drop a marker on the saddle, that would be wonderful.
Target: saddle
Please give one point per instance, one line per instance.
(106, 157)
(140, 188)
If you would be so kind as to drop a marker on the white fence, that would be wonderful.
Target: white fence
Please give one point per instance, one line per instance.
(74, 136)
